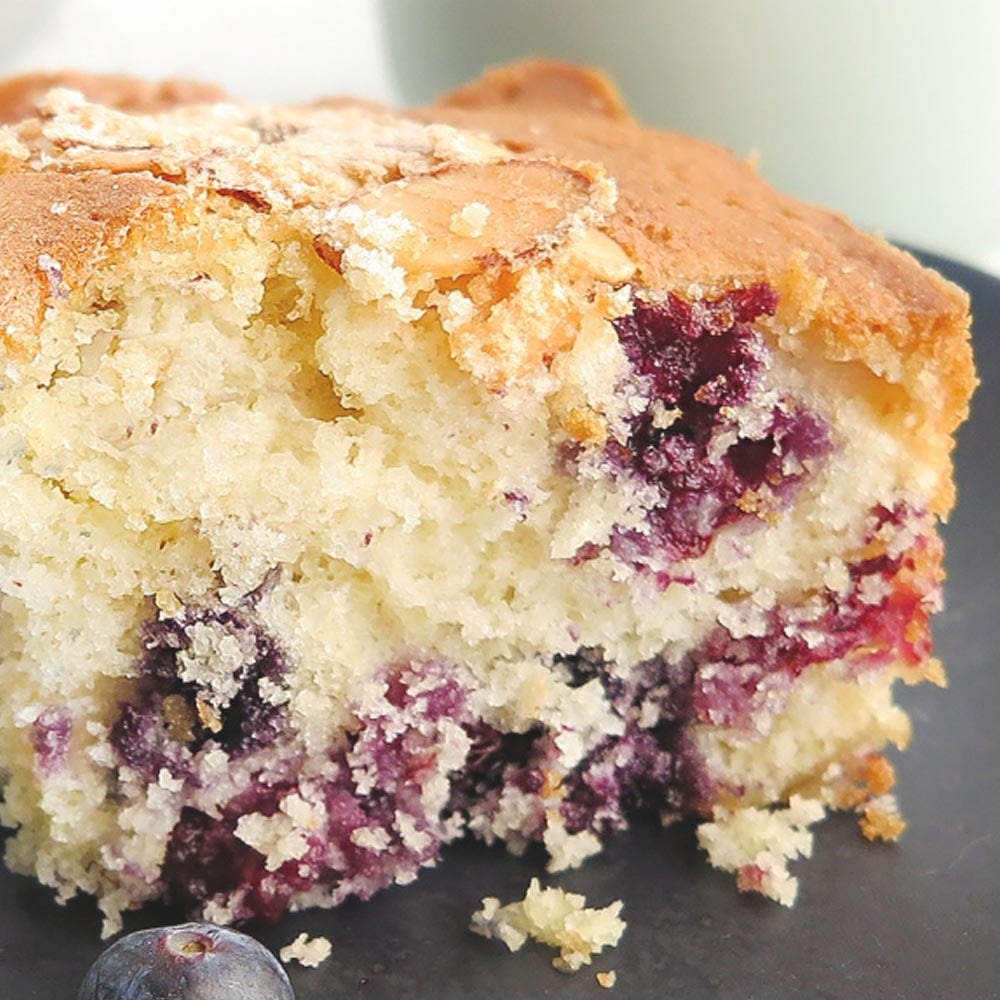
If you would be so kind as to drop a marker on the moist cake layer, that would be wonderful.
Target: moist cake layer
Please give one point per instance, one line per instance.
(362, 488)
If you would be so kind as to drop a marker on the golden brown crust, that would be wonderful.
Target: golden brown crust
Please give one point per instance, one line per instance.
(20, 95)
(55, 229)
(545, 83)
(339, 102)
(689, 213)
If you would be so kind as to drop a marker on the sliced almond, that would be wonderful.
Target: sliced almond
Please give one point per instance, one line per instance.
(254, 199)
(532, 206)
(597, 254)
(122, 160)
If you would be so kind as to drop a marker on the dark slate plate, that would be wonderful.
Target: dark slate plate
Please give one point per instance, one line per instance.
(917, 920)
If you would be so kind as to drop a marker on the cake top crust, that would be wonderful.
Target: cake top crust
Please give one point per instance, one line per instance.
(55, 229)
(690, 213)
(20, 96)
(691, 218)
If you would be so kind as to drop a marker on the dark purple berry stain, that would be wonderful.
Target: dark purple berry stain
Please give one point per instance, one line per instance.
(186, 962)
(633, 774)
(168, 722)
(142, 739)
(495, 761)
(698, 361)
(248, 721)
(883, 617)
(731, 678)
(378, 824)
(50, 735)
(725, 680)
(703, 352)
(519, 502)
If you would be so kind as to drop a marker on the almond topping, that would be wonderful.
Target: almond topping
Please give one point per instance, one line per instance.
(525, 209)
(596, 253)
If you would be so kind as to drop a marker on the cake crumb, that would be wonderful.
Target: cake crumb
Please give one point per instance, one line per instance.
(606, 980)
(881, 819)
(568, 850)
(935, 673)
(555, 918)
(757, 845)
(310, 952)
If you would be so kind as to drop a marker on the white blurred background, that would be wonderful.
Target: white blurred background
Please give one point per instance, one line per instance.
(258, 49)
(888, 110)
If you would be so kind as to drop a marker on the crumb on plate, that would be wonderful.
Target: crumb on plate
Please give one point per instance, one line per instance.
(555, 918)
(310, 952)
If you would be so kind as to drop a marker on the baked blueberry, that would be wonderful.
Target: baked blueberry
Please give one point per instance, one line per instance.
(186, 962)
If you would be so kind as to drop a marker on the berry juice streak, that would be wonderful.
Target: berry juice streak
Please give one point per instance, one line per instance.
(700, 361)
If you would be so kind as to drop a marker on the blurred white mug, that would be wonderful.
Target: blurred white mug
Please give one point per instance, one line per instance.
(888, 110)
(19, 23)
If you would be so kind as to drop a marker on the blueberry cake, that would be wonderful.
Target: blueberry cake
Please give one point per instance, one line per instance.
(499, 468)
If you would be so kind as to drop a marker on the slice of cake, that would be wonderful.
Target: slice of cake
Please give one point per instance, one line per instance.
(504, 468)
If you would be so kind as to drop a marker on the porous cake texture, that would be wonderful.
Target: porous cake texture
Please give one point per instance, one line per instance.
(562, 920)
(307, 951)
(503, 468)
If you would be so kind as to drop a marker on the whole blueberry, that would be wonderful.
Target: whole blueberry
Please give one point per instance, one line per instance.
(186, 962)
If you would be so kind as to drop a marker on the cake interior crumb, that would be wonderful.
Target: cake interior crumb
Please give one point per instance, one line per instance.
(757, 845)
